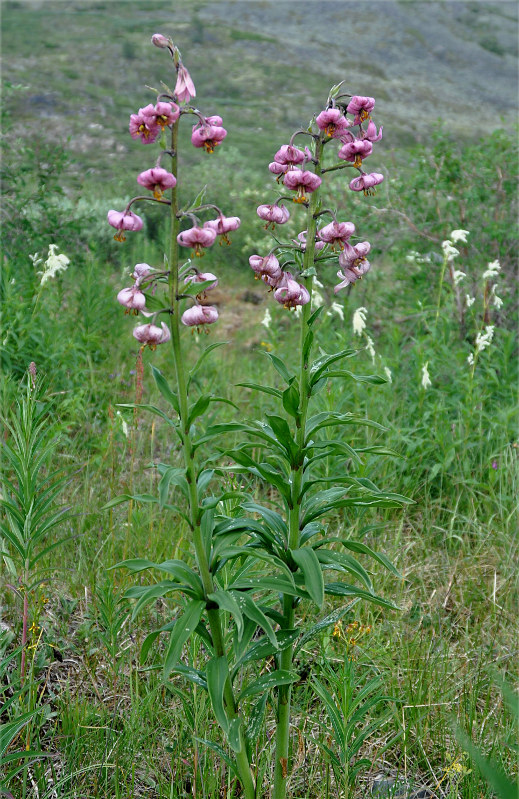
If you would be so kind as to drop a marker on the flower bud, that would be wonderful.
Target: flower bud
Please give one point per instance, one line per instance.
(161, 41)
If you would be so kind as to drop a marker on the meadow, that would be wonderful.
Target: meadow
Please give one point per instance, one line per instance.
(427, 687)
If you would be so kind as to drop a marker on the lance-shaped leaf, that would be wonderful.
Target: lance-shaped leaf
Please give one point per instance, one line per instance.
(331, 618)
(193, 675)
(171, 475)
(278, 584)
(280, 367)
(249, 608)
(321, 364)
(220, 751)
(357, 546)
(343, 589)
(334, 419)
(263, 648)
(291, 399)
(375, 380)
(202, 358)
(183, 628)
(203, 480)
(226, 601)
(272, 519)
(256, 716)
(151, 408)
(164, 388)
(198, 409)
(217, 674)
(306, 559)
(275, 392)
(267, 681)
(343, 562)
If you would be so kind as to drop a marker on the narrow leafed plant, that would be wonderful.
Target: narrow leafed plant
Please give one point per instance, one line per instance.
(256, 562)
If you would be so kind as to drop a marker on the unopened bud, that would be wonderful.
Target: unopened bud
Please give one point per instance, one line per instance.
(161, 41)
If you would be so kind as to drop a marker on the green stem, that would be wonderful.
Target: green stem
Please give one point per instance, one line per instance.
(281, 767)
(442, 276)
(187, 448)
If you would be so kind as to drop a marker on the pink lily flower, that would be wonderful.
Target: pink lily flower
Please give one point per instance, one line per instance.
(332, 122)
(161, 41)
(301, 242)
(371, 132)
(157, 180)
(365, 182)
(361, 107)
(199, 315)
(222, 226)
(208, 136)
(288, 155)
(267, 268)
(161, 114)
(353, 263)
(152, 335)
(184, 87)
(337, 233)
(133, 299)
(301, 181)
(140, 272)
(354, 150)
(273, 215)
(202, 277)
(197, 237)
(123, 221)
(290, 293)
(139, 128)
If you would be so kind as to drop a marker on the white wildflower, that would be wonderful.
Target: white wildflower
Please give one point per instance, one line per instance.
(470, 359)
(55, 263)
(483, 340)
(267, 319)
(493, 269)
(498, 302)
(317, 284)
(298, 310)
(389, 376)
(123, 424)
(370, 347)
(470, 300)
(457, 276)
(338, 309)
(426, 378)
(317, 299)
(449, 251)
(459, 235)
(36, 259)
(359, 321)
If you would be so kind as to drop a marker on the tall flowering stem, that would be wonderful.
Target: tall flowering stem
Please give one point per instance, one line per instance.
(294, 516)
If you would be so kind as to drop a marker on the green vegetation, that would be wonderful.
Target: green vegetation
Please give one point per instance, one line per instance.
(92, 719)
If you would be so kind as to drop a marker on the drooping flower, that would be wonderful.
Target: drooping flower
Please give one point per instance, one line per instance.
(288, 155)
(469, 300)
(301, 242)
(335, 307)
(289, 293)
(458, 276)
(366, 182)
(197, 237)
(123, 220)
(353, 264)
(199, 315)
(132, 298)
(303, 182)
(152, 334)
(273, 214)
(203, 277)
(267, 268)
(333, 122)
(361, 107)
(484, 340)
(139, 128)
(354, 150)
(184, 87)
(161, 114)
(157, 180)
(208, 135)
(336, 233)
(140, 272)
(371, 132)
(161, 41)
(222, 226)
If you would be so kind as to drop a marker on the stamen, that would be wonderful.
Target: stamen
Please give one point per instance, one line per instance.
(157, 193)
(120, 236)
(358, 161)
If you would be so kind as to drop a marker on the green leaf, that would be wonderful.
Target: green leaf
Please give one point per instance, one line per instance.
(256, 716)
(357, 546)
(202, 358)
(263, 648)
(175, 475)
(307, 561)
(220, 751)
(198, 409)
(265, 389)
(217, 674)
(199, 199)
(291, 399)
(226, 601)
(267, 681)
(165, 390)
(203, 480)
(266, 583)
(333, 711)
(193, 675)
(249, 608)
(344, 562)
(280, 367)
(319, 366)
(283, 434)
(372, 379)
(342, 589)
(151, 409)
(183, 628)
(274, 520)
(234, 735)
(332, 618)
